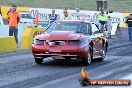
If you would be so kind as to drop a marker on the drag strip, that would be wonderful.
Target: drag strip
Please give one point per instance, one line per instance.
(18, 70)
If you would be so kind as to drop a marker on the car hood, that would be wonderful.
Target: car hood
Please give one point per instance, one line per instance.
(60, 35)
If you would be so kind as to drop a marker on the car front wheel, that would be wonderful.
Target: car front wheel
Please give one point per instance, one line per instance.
(103, 54)
(38, 60)
(87, 60)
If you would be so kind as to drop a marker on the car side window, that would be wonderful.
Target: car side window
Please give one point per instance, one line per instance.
(88, 29)
(95, 29)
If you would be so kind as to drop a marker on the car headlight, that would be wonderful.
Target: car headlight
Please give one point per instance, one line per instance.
(38, 42)
(74, 42)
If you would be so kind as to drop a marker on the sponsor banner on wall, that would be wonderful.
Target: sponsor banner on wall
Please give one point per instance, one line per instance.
(92, 16)
(82, 15)
(43, 13)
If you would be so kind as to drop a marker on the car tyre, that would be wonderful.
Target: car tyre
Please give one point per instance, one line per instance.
(87, 60)
(103, 54)
(38, 60)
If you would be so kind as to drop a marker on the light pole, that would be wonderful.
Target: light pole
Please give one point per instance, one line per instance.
(75, 4)
(37, 3)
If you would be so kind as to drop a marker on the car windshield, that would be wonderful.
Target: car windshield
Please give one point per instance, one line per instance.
(78, 27)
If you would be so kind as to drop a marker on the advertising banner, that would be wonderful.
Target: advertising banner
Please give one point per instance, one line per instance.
(43, 13)
(82, 15)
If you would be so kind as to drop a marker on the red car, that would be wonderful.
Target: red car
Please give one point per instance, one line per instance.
(70, 40)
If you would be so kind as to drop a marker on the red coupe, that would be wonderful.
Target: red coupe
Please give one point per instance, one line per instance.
(70, 40)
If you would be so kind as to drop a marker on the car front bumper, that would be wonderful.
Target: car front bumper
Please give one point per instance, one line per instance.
(64, 51)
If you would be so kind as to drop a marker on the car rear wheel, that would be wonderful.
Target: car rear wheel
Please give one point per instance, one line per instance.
(38, 60)
(87, 60)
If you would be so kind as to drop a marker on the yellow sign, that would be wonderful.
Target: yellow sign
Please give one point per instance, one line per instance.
(124, 17)
(5, 9)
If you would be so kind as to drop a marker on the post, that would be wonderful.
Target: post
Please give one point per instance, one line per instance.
(75, 4)
(36, 3)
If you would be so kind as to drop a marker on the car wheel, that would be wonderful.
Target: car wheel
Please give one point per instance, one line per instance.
(87, 61)
(103, 54)
(38, 60)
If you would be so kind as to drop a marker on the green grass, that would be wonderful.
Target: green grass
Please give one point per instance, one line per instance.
(115, 5)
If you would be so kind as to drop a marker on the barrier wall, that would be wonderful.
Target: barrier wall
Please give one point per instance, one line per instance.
(4, 31)
(28, 35)
(8, 44)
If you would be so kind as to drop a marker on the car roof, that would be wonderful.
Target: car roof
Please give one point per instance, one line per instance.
(73, 21)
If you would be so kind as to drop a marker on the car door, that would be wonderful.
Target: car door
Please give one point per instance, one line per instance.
(97, 40)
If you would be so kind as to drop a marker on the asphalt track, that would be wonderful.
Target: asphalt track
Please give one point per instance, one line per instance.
(18, 70)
